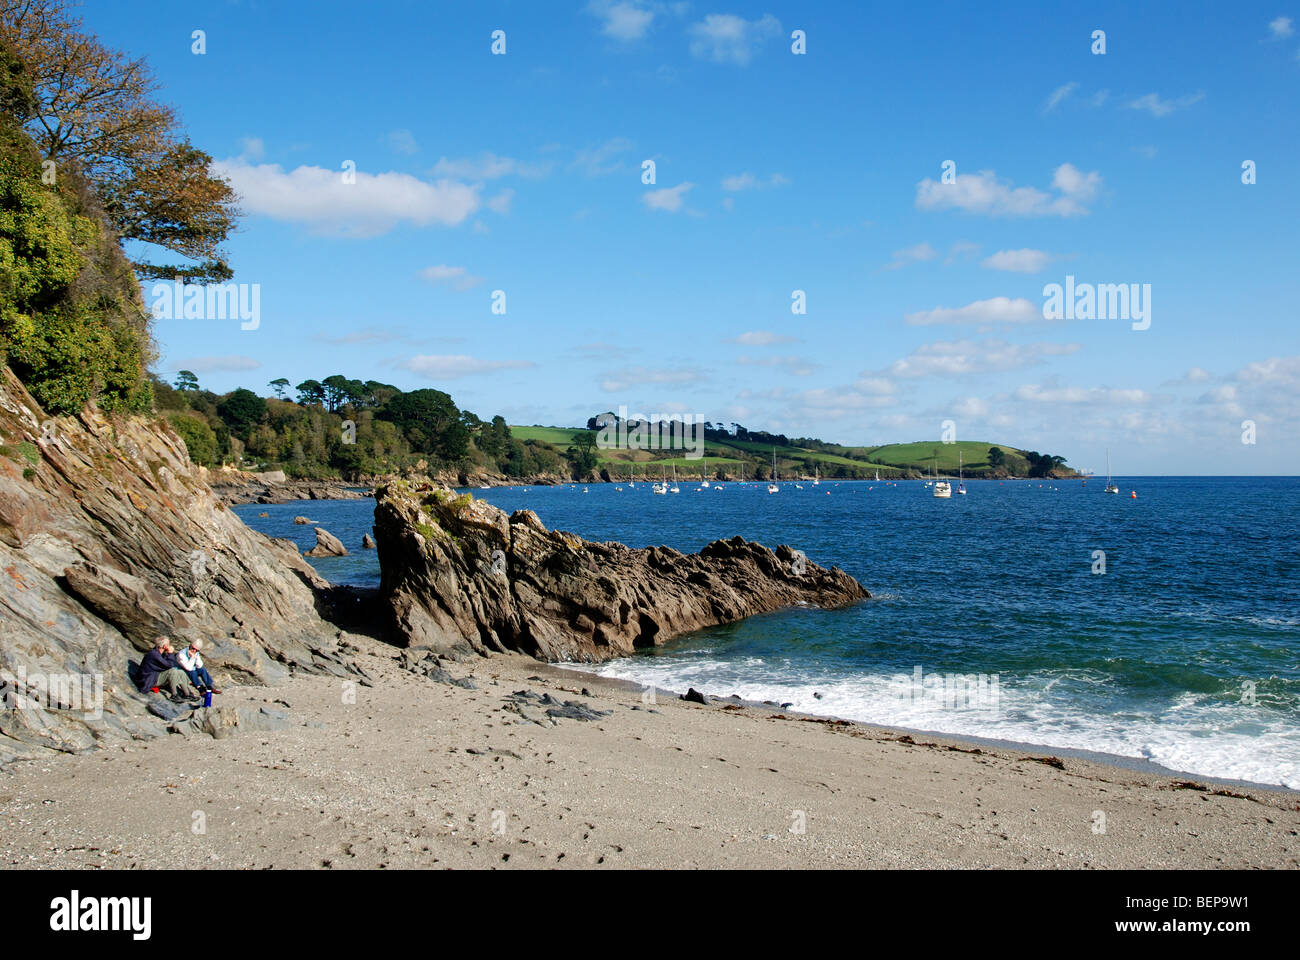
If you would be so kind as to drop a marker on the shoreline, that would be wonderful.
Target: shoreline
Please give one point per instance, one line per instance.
(419, 772)
(1099, 757)
(1128, 762)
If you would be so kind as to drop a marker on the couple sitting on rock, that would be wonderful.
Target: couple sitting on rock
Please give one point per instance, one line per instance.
(179, 675)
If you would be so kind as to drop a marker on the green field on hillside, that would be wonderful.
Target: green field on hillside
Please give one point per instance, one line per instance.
(560, 437)
(890, 458)
(920, 456)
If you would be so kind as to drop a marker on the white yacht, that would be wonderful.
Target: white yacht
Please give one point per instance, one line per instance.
(1110, 484)
(942, 488)
(772, 487)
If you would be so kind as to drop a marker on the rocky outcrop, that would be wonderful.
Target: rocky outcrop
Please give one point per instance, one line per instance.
(367, 542)
(460, 575)
(235, 487)
(327, 545)
(108, 538)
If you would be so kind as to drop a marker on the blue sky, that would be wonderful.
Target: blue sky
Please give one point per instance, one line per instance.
(774, 172)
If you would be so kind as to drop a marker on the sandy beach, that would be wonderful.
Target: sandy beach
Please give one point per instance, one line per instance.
(418, 773)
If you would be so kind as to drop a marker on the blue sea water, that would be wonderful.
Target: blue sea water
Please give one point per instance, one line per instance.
(1185, 651)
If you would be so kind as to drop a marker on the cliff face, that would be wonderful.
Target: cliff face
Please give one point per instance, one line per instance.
(108, 538)
(459, 575)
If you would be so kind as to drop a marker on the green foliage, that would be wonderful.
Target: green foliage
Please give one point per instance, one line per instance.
(29, 452)
(200, 440)
(241, 411)
(430, 421)
(71, 324)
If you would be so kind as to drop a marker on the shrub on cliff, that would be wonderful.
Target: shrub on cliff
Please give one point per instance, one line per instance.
(71, 325)
(199, 439)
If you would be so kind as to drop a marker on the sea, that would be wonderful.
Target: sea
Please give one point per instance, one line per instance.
(1161, 624)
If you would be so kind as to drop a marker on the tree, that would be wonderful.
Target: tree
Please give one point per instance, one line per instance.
(279, 385)
(582, 455)
(431, 422)
(310, 391)
(92, 109)
(996, 457)
(241, 411)
(186, 380)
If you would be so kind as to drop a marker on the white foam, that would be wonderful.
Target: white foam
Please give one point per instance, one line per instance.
(1193, 734)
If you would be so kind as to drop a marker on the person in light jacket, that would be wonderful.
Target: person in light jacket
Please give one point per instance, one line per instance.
(191, 661)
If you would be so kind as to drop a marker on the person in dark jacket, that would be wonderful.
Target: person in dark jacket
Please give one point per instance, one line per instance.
(158, 669)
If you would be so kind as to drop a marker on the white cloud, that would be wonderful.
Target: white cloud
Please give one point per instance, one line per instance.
(761, 338)
(1093, 396)
(726, 38)
(626, 20)
(961, 250)
(1281, 28)
(457, 277)
(602, 160)
(403, 141)
(998, 310)
(1075, 184)
(487, 166)
(229, 363)
(795, 366)
(1099, 98)
(455, 366)
(618, 380)
(747, 181)
(501, 202)
(373, 205)
(954, 358)
(983, 193)
(1155, 105)
(1224, 398)
(1274, 370)
(253, 148)
(669, 199)
(919, 253)
(1061, 94)
(1024, 260)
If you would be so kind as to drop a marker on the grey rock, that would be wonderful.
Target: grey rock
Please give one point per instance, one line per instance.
(118, 538)
(561, 597)
(327, 545)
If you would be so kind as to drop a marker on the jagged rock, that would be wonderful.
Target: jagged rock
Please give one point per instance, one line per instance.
(160, 706)
(327, 545)
(459, 571)
(115, 539)
(367, 542)
(694, 696)
(439, 675)
(222, 722)
(301, 521)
